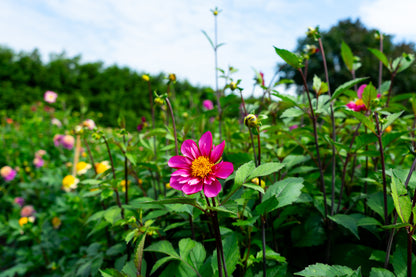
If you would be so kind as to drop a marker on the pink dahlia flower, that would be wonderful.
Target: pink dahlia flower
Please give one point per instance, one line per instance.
(359, 105)
(38, 162)
(7, 173)
(68, 142)
(208, 105)
(50, 96)
(199, 167)
(19, 201)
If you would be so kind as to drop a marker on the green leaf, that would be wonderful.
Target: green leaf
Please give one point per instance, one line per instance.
(255, 187)
(281, 194)
(292, 112)
(286, 98)
(347, 56)
(243, 172)
(131, 158)
(401, 201)
(390, 119)
(363, 119)
(324, 270)
(138, 257)
(289, 57)
(265, 169)
(406, 61)
(381, 272)
(345, 86)
(380, 56)
(231, 253)
(209, 39)
(163, 246)
(369, 94)
(177, 200)
(161, 261)
(192, 252)
(111, 272)
(347, 221)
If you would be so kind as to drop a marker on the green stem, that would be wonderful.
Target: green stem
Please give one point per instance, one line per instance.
(173, 126)
(383, 167)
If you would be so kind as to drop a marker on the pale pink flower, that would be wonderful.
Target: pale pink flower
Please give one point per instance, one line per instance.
(38, 162)
(27, 211)
(208, 105)
(89, 123)
(57, 139)
(50, 96)
(200, 167)
(7, 173)
(56, 122)
(68, 142)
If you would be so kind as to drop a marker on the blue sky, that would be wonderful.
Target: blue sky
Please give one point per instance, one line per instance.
(165, 36)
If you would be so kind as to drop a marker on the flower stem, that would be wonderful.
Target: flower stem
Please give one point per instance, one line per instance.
(126, 171)
(383, 167)
(332, 125)
(315, 133)
(90, 155)
(173, 126)
(152, 108)
(114, 177)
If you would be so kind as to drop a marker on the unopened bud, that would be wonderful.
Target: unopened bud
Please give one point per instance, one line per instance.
(145, 78)
(251, 121)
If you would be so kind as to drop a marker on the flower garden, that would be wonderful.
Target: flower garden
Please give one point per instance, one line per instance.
(318, 184)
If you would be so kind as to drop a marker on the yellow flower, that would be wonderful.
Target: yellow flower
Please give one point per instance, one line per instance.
(251, 121)
(23, 220)
(172, 77)
(388, 129)
(145, 78)
(168, 186)
(102, 167)
(123, 185)
(82, 168)
(256, 181)
(56, 222)
(69, 183)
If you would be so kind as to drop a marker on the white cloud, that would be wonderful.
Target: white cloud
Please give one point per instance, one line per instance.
(165, 36)
(391, 17)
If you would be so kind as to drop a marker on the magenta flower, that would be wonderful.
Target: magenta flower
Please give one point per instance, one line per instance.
(19, 201)
(199, 167)
(7, 173)
(57, 139)
(359, 105)
(50, 96)
(38, 162)
(208, 105)
(293, 127)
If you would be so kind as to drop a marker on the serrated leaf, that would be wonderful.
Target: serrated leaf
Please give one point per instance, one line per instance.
(163, 246)
(138, 257)
(347, 56)
(265, 169)
(401, 201)
(381, 272)
(281, 194)
(363, 119)
(390, 119)
(255, 187)
(292, 112)
(380, 56)
(345, 86)
(369, 94)
(162, 261)
(324, 270)
(289, 57)
(347, 221)
(242, 173)
(286, 98)
(111, 272)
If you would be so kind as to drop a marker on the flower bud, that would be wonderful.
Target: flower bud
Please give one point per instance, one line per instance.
(145, 78)
(251, 121)
(233, 86)
(172, 77)
(159, 101)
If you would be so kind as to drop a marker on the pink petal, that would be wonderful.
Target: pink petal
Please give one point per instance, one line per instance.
(179, 162)
(213, 189)
(174, 183)
(194, 181)
(181, 173)
(205, 144)
(190, 149)
(216, 153)
(222, 170)
(191, 189)
(351, 105)
(360, 91)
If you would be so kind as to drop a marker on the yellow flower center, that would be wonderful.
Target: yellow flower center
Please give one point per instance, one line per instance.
(201, 167)
(359, 102)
